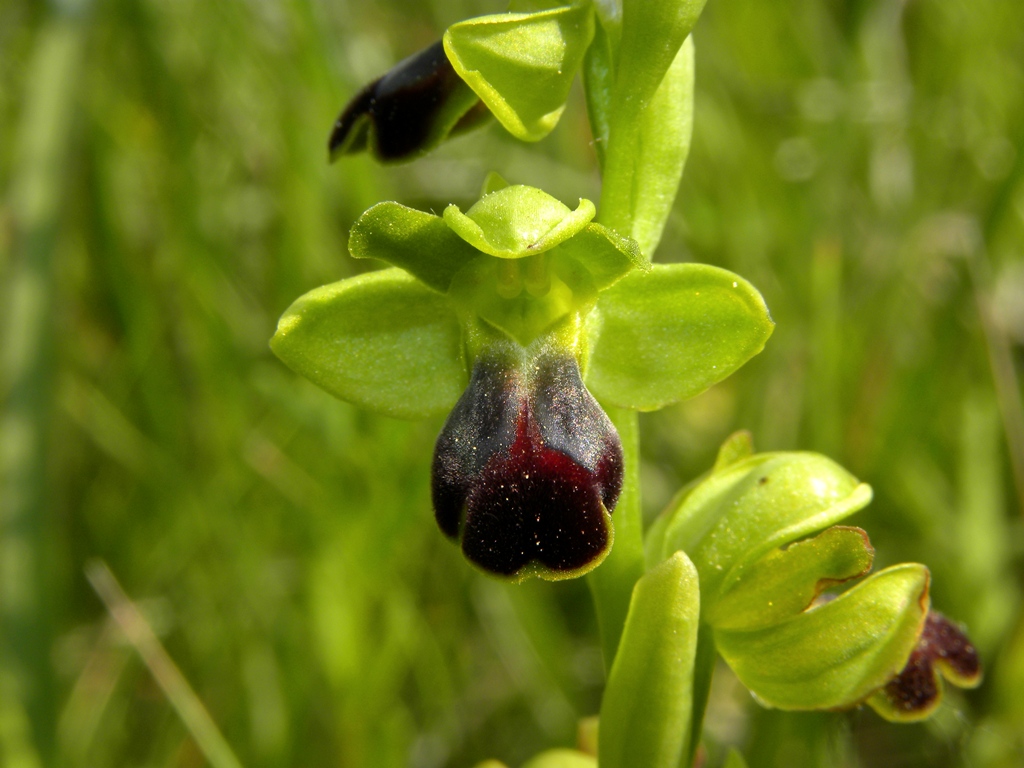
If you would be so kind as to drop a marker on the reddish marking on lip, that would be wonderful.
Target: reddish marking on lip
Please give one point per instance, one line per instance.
(534, 503)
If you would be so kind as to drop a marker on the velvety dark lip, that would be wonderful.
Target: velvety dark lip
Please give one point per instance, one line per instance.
(527, 468)
(400, 108)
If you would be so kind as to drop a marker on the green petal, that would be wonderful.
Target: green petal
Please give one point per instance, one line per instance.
(381, 340)
(420, 243)
(785, 582)
(741, 513)
(606, 254)
(669, 334)
(518, 221)
(645, 713)
(838, 653)
(522, 64)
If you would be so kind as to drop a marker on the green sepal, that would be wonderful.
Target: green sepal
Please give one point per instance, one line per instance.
(522, 64)
(381, 340)
(669, 334)
(785, 582)
(518, 221)
(835, 654)
(420, 243)
(562, 758)
(739, 514)
(646, 709)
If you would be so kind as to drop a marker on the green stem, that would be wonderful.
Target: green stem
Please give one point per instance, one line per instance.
(611, 584)
(616, 205)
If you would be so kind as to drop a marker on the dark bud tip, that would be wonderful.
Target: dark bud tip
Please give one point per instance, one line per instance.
(408, 111)
(916, 691)
(528, 469)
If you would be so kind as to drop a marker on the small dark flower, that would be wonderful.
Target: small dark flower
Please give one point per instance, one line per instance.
(917, 690)
(528, 468)
(416, 105)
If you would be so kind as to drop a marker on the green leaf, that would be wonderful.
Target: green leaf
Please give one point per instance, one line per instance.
(518, 221)
(669, 334)
(739, 514)
(381, 340)
(420, 243)
(562, 758)
(522, 64)
(785, 582)
(605, 254)
(645, 713)
(835, 654)
(665, 131)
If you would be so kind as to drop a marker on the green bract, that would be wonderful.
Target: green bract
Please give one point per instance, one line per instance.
(518, 264)
(639, 77)
(653, 671)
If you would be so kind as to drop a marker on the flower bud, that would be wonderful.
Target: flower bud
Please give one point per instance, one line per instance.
(528, 468)
(408, 111)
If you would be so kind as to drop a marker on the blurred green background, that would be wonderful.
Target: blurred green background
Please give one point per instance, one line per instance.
(164, 195)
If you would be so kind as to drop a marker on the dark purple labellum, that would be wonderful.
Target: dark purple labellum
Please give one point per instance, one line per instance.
(528, 468)
(415, 105)
(944, 647)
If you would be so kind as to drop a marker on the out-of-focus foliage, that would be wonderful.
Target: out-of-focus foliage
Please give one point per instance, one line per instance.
(164, 195)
